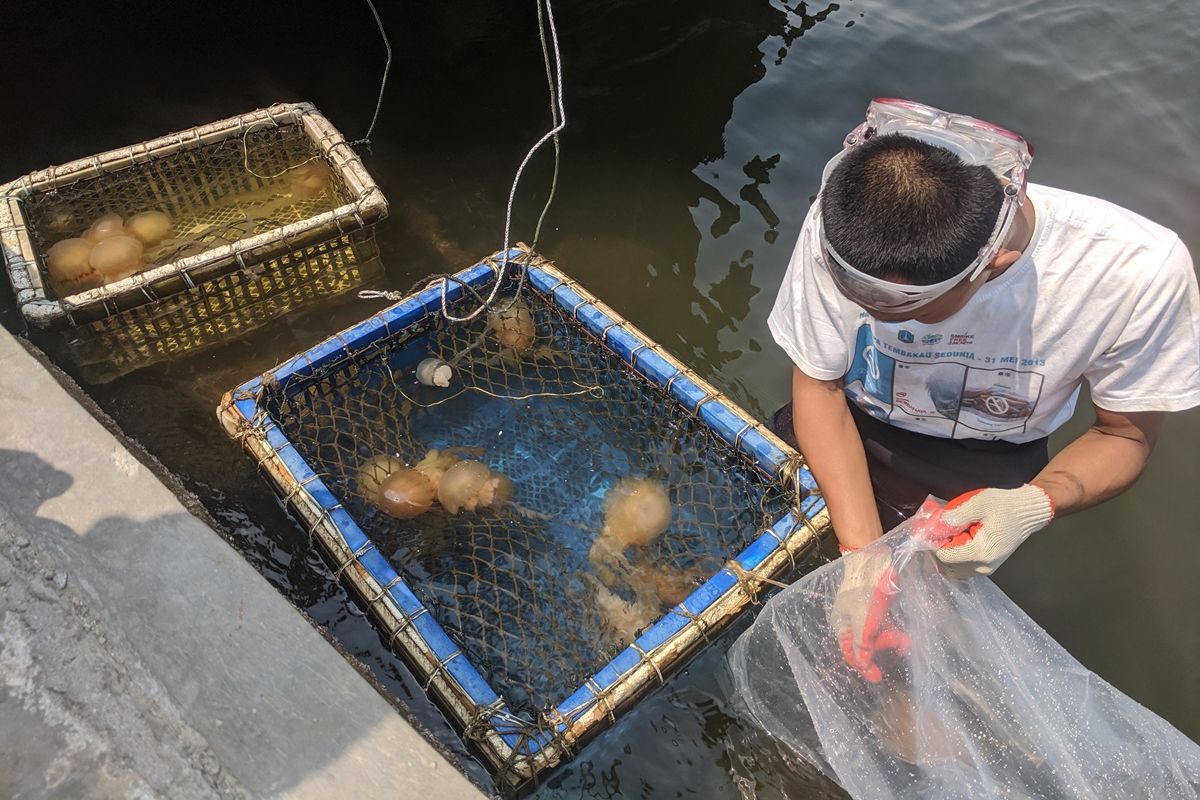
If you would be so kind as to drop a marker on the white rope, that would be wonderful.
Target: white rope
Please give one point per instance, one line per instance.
(366, 139)
(559, 119)
(554, 119)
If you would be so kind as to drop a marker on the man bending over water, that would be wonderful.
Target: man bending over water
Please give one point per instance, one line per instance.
(941, 314)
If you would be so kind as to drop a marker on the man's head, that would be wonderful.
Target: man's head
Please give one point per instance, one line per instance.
(910, 212)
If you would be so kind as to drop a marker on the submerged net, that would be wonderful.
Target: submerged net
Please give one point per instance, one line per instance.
(982, 704)
(517, 584)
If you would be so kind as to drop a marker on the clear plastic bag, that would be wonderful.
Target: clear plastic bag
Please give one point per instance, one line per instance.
(981, 703)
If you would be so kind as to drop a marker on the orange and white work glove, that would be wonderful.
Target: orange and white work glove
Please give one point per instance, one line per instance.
(994, 523)
(859, 616)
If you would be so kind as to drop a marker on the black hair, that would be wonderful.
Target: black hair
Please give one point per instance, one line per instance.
(897, 207)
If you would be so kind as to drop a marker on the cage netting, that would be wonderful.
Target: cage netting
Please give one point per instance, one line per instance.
(518, 585)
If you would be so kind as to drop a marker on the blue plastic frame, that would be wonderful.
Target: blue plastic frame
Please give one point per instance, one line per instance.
(635, 350)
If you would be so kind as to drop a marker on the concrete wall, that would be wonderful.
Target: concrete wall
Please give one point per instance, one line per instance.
(141, 656)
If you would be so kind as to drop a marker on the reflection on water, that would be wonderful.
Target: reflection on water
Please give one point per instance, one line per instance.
(697, 134)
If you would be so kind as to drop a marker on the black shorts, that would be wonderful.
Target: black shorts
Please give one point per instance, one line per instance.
(906, 466)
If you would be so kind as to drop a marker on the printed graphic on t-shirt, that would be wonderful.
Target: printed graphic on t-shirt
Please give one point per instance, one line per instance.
(942, 392)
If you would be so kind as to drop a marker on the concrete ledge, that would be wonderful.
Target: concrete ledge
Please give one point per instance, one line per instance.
(141, 656)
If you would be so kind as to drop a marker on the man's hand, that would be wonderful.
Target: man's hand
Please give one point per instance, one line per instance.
(994, 523)
(859, 616)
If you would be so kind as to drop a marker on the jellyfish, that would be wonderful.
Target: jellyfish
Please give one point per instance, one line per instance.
(70, 267)
(374, 471)
(622, 619)
(435, 463)
(468, 484)
(662, 584)
(608, 561)
(504, 488)
(513, 327)
(308, 180)
(151, 227)
(117, 257)
(105, 227)
(636, 512)
(405, 494)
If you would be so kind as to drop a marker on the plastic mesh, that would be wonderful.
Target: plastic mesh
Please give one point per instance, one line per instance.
(565, 420)
(211, 196)
(221, 309)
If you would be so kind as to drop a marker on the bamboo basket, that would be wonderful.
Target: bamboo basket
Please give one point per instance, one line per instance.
(223, 185)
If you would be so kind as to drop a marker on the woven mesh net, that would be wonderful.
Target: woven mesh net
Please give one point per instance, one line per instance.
(517, 584)
(215, 194)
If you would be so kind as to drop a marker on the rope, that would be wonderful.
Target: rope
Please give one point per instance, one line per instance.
(394, 296)
(558, 113)
(270, 120)
(747, 580)
(366, 139)
(592, 390)
(554, 119)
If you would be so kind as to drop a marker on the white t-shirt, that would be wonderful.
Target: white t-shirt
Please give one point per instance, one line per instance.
(1100, 294)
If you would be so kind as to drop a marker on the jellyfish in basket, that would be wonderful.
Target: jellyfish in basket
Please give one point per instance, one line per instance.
(151, 227)
(405, 494)
(513, 327)
(375, 471)
(622, 619)
(105, 227)
(440, 477)
(70, 267)
(637, 511)
(117, 257)
(468, 485)
(309, 179)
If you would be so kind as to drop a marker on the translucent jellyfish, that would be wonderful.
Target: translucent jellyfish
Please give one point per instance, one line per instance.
(374, 471)
(70, 267)
(151, 227)
(622, 619)
(636, 512)
(608, 561)
(435, 463)
(513, 327)
(468, 484)
(665, 585)
(107, 226)
(504, 487)
(309, 179)
(117, 257)
(405, 494)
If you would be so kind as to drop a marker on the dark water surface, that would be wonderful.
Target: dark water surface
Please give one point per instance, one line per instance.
(696, 136)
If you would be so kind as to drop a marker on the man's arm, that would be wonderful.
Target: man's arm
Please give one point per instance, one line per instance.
(1101, 463)
(1098, 465)
(831, 445)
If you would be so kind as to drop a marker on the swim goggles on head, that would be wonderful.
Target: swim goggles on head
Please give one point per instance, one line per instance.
(975, 142)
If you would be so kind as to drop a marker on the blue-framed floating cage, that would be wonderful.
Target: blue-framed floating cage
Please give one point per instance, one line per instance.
(495, 609)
